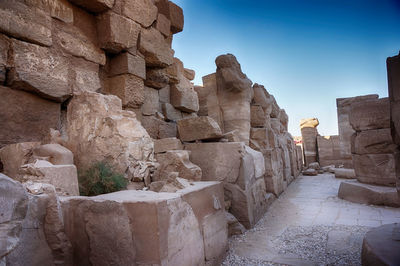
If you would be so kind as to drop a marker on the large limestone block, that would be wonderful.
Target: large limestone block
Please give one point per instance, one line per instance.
(13, 201)
(309, 122)
(345, 173)
(129, 88)
(159, 129)
(25, 117)
(262, 98)
(95, 6)
(263, 138)
(176, 161)
(284, 119)
(258, 118)
(13, 156)
(151, 103)
(156, 51)
(184, 97)
(59, 9)
(24, 22)
(373, 141)
(329, 150)
(167, 144)
(173, 12)
(376, 169)
(198, 128)
(116, 33)
(156, 78)
(99, 129)
(126, 63)
(85, 76)
(163, 24)
(143, 12)
(170, 112)
(202, 93)
(372, 114)
(39, 70)
(309, 136)
(54, 153)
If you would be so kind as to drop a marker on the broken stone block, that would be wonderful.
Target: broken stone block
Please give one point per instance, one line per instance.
(143, 12)
(156, 51)
(85, 76)
(184, 98)
(163, 25)
(329, 150)
(151, 103)
(378, 169)
(344, 173)
(126, 63)
(176, 161)
(189, 73)
(170, 113)
(159, 129)
(234, 227)
(38, 70)
(24, 22)
(95, 6)
(167, 144)
(60, 9)
(258, 118)
(373, 141)
(129, 88)
(372, 114)
(310, 172)
(198, 128)
(54, 153)
(314, 165)
(284, 119)
(262, 98)
(164, 94)
(309, 136)
(156, 78)
(116, 33)
(30, 123)
(202, 93)
(173, 12)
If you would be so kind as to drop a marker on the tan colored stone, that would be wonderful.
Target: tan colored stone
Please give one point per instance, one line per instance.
(258, 118)
(284, 119)
(164, 94)
(202, 93)
(86, 76)
(151, 103)
(329, 151)
(173, 12)
(198, 128)
(373, 141)
(116, 33)
(234, 227)
(143, 12)
(184, 98)
(163, 24)
(159, 129)
(378, 169)
(156, 51)
(24, 22)
(54, 153)
(156, 78)
(39, 70)
(170, 113)
(189, 73)
(167, 144)
(344, 173)
(262, 98)
(310, 172)
(27, 117)
(59, 9)
(129, 88)
(309, 136)
(372, 114)
(309, 122)
(126, 63)
(95, 6)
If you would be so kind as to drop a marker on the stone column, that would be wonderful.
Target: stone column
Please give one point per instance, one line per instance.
(393, 69)
(309, 134)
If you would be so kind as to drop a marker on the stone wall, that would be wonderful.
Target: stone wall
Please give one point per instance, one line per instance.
(309, 135)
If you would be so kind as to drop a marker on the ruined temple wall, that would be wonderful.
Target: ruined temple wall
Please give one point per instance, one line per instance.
(329, 151)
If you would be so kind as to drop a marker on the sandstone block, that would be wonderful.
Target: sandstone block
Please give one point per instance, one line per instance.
(310, 172)
(234, 227)
(13, 202)
(309, 122)
(198, 128)
(167, 144)
(376, 169)
(184, 98)
(95, 6)
(39, 70)
(143, 12)
(24, 22)
(4, 47)
(314, 165)
(373, 141)
(156, 78)
(54, 153)
(156, 51)
(284, 119)
(116, 33)
(176, 161)
(126, 63)
(59, 9)
(345, 173)
(163, 25)
(372, 114)
(129, 88)
(170, 112)
(202, 93)
(30, 118)
(151, 103)
(262, 98)
(258, 118)
(173, 12)
(164, 94)
(86, 76)
(159, 129)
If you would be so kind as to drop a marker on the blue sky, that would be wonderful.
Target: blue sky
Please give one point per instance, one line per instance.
(306, 53)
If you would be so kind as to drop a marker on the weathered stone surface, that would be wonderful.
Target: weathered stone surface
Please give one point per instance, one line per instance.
(376, 169)
(167, 144)
(39, 70)
(85, 76)
(54, 153)
(159, 129)
(116, 33)
(170, 113)
(373, 142)
(309, 122)
(164, 94)
(156, 78)
(99, 130)
(126, 63)
(371, 114)
(14, 155)
(95, 6)
(24, 22)
(173, 12)
(29, 119)
(4, 47)
(381, 246)
(156, 51)
(258, 118)
(202, 93)
(198, 128)
(143, 12)
(59, 9)
(151, 103)
(310, 172)
(189, 73)
(234, 227)
(129, 88)
(284, 119)
(263, 99)
(163, 25)
(355, 191)
(329, 150)
(345, 173)
(309, 136)
(13, 201)
(176, 161)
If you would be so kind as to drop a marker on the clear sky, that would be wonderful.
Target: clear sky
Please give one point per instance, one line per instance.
(306, 53)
